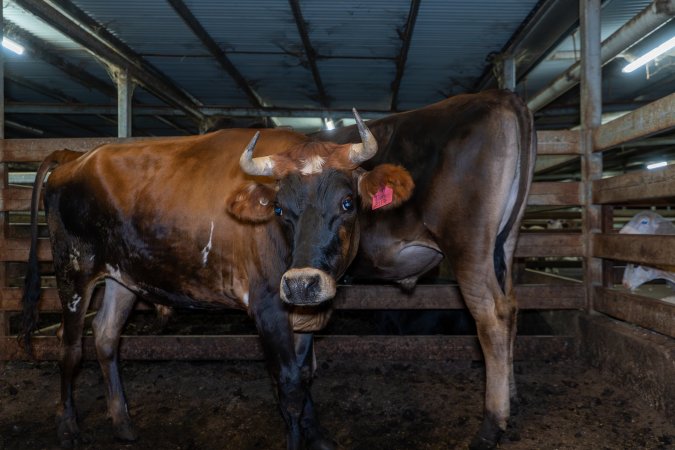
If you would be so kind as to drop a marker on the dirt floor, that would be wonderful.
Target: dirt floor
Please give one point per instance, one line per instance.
(230, 405)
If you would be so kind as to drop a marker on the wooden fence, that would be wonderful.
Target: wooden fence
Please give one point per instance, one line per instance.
(639, 187)
(18, 155)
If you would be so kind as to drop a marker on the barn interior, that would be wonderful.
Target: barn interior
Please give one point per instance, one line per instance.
(86, 72)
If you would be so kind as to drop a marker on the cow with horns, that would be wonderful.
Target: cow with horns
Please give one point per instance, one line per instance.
(472, 161)
(177, 222)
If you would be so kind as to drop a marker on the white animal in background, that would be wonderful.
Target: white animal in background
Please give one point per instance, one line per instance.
(647, 222)
(557, 224)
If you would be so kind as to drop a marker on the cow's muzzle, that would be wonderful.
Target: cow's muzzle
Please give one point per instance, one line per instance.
(306, 286)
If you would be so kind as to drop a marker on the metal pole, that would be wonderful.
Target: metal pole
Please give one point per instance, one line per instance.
(125, 90)
(508, 78)
(591, 111)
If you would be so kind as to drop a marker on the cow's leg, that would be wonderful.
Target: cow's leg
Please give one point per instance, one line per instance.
(278, 342)
(495, 315)
(118, 302)
(75, 296)
(313, 434)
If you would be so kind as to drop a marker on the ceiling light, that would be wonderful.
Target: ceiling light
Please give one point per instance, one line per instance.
(652, 54)
(657, 165)
(329, 124)
(13, 46)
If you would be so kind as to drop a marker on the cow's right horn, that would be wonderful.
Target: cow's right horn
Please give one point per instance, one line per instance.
(262, 166)
(359, 153)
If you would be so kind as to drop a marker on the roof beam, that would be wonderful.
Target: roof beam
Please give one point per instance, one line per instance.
(49, 54)
(78, 26)
(406, 37)
(56, 94)
(48, 91)
(80, 108)
(219, 55)
(309, 52)
(537, 35)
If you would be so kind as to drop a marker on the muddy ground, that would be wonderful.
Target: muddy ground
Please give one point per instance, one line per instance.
(230, 405)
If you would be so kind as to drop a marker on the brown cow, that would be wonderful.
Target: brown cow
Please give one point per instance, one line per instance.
(177, 222)
(472, 159)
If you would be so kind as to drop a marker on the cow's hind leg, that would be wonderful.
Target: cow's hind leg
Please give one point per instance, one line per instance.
(312, 432)
(118, 302)
(495, 315)
(75, 293)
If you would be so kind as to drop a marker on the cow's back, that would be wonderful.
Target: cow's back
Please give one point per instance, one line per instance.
(153, 213)
(469, 155)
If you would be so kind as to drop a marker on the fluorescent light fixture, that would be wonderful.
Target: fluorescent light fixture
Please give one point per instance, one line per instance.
(657, 165)
(650, 55)
(329, 124)
(13, 46)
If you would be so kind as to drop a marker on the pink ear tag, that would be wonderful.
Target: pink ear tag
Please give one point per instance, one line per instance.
(383, 197)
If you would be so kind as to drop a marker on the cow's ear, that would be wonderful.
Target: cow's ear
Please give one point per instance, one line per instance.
(386, 187)
(252, 202)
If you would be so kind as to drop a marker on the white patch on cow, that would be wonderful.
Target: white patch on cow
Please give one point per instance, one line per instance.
(74, 256)
(245, 299)
(114, 272)
(72, 305)
(207, 248)
(311, 165)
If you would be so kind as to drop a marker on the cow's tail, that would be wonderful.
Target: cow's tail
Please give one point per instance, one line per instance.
(31, 292)
(526, 159)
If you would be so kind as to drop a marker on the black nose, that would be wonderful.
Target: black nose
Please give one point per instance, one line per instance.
(301, 289)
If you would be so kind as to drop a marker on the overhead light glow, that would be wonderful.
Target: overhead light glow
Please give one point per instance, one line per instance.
(657, 165)
(652, 54)
(329, 124)
(13, 46)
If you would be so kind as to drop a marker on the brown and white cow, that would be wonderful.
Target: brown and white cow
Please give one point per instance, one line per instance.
(472, 159)
(177, 222)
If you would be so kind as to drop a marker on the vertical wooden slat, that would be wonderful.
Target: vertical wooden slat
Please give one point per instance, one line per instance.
(591, 164)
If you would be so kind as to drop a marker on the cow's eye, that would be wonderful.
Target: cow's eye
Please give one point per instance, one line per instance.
(348, 203)
(277, 209)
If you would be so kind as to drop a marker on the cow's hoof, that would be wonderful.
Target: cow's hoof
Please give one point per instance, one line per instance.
(68, 431)
(488, 436)
(321, 443)
(125, 432)
(482, 443)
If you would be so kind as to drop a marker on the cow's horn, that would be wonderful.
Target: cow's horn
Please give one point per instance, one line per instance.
(263, 166)
(359, 153)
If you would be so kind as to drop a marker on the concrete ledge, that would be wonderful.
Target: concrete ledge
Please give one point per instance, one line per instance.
(641, 360)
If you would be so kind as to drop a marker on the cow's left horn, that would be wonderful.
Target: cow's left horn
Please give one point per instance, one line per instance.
(359, 153)
(263, 166)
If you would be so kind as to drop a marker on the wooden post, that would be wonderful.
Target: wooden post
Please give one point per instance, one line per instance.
(591, 111)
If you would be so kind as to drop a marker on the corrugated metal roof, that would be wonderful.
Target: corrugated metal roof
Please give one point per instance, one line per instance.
(357, 45)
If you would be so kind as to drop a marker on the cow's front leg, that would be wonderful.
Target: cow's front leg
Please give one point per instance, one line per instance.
(278, 343)
(312, 432)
